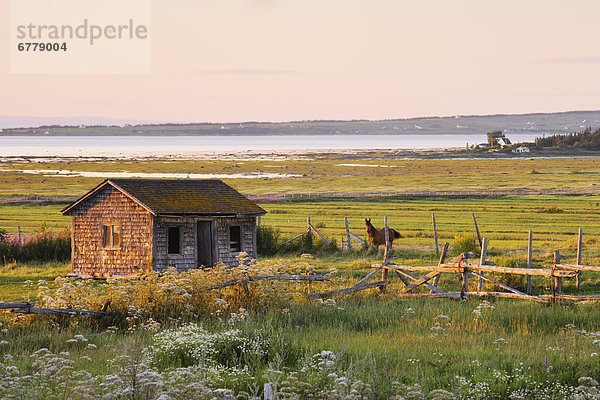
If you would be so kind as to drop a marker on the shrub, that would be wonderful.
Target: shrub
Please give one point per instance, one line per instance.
(9, 247)
(553, 209)
(311, 244)
(185, 295)
(43, 245)
(515, 281)
(307, 243)
(465, 243)
(267, 240)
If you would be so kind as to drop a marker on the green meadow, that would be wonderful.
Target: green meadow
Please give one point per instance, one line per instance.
(504, 220)
(381, 344)
(371, 172)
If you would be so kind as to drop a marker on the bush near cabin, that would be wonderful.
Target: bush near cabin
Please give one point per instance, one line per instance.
(43, 245)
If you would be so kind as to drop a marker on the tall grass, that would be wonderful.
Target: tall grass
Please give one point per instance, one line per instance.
(382, 342)
(269, 242)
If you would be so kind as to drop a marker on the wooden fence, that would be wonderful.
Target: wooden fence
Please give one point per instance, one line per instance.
(466, 267)
(29, 308)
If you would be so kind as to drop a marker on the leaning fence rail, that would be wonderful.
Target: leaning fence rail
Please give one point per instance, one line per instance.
(29, 308)
(466, 270)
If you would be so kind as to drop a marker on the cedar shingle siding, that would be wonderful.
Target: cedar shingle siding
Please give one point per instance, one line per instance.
(200, 214)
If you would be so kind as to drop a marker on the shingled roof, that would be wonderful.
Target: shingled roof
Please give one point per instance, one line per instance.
(179, 196)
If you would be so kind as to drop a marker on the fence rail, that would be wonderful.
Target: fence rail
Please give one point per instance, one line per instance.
(29, 308)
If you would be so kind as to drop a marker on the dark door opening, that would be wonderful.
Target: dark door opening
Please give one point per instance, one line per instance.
(205, 244)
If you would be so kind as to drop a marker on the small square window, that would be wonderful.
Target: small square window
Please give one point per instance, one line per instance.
(111, 236)
(173, 237)
(235, 238)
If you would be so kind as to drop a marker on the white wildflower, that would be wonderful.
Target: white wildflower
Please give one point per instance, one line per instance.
(587, 381)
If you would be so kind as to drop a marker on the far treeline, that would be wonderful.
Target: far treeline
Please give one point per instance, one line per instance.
(588, 139)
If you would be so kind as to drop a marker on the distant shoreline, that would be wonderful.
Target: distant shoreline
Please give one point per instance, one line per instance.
(539, 123)
(281, 155)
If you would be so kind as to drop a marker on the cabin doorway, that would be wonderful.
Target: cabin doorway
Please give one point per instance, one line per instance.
(205, 244)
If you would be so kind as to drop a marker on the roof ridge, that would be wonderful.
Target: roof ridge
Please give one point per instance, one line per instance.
(179, 196)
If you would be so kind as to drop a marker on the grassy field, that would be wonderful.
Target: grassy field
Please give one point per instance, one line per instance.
(15, 278)
(474, 349)
(318, 173)
(504, 220)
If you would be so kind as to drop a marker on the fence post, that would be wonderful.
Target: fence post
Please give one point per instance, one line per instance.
(347, 233)
(268, 389)
(482, 261)
(465, 284)
(436, 280)
(20, 243)
(529, 257)
(309, 272)
(386, 255)
(477, 230)
(557, 280)
(579, 256)
(437, 249)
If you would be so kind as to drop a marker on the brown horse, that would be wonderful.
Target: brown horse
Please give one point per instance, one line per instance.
(377, 236)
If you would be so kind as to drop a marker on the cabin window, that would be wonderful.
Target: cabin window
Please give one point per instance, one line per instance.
(173, 237)
(235, 238)
(112, 236)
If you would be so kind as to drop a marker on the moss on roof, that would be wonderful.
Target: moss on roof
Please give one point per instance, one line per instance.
(184, 196)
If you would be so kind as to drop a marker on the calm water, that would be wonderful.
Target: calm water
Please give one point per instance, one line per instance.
(127, 146)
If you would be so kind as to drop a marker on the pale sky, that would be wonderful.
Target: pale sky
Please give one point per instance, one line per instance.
(280, 60)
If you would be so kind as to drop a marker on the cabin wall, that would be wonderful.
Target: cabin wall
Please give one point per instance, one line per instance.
(187, 258)
(111, 207)
(248, 233)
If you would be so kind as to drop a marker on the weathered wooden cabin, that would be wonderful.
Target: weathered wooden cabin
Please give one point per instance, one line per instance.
(126, 225)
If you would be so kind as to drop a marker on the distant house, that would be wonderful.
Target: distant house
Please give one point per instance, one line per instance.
(522, 149)
(126, 225)
(503, 141)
